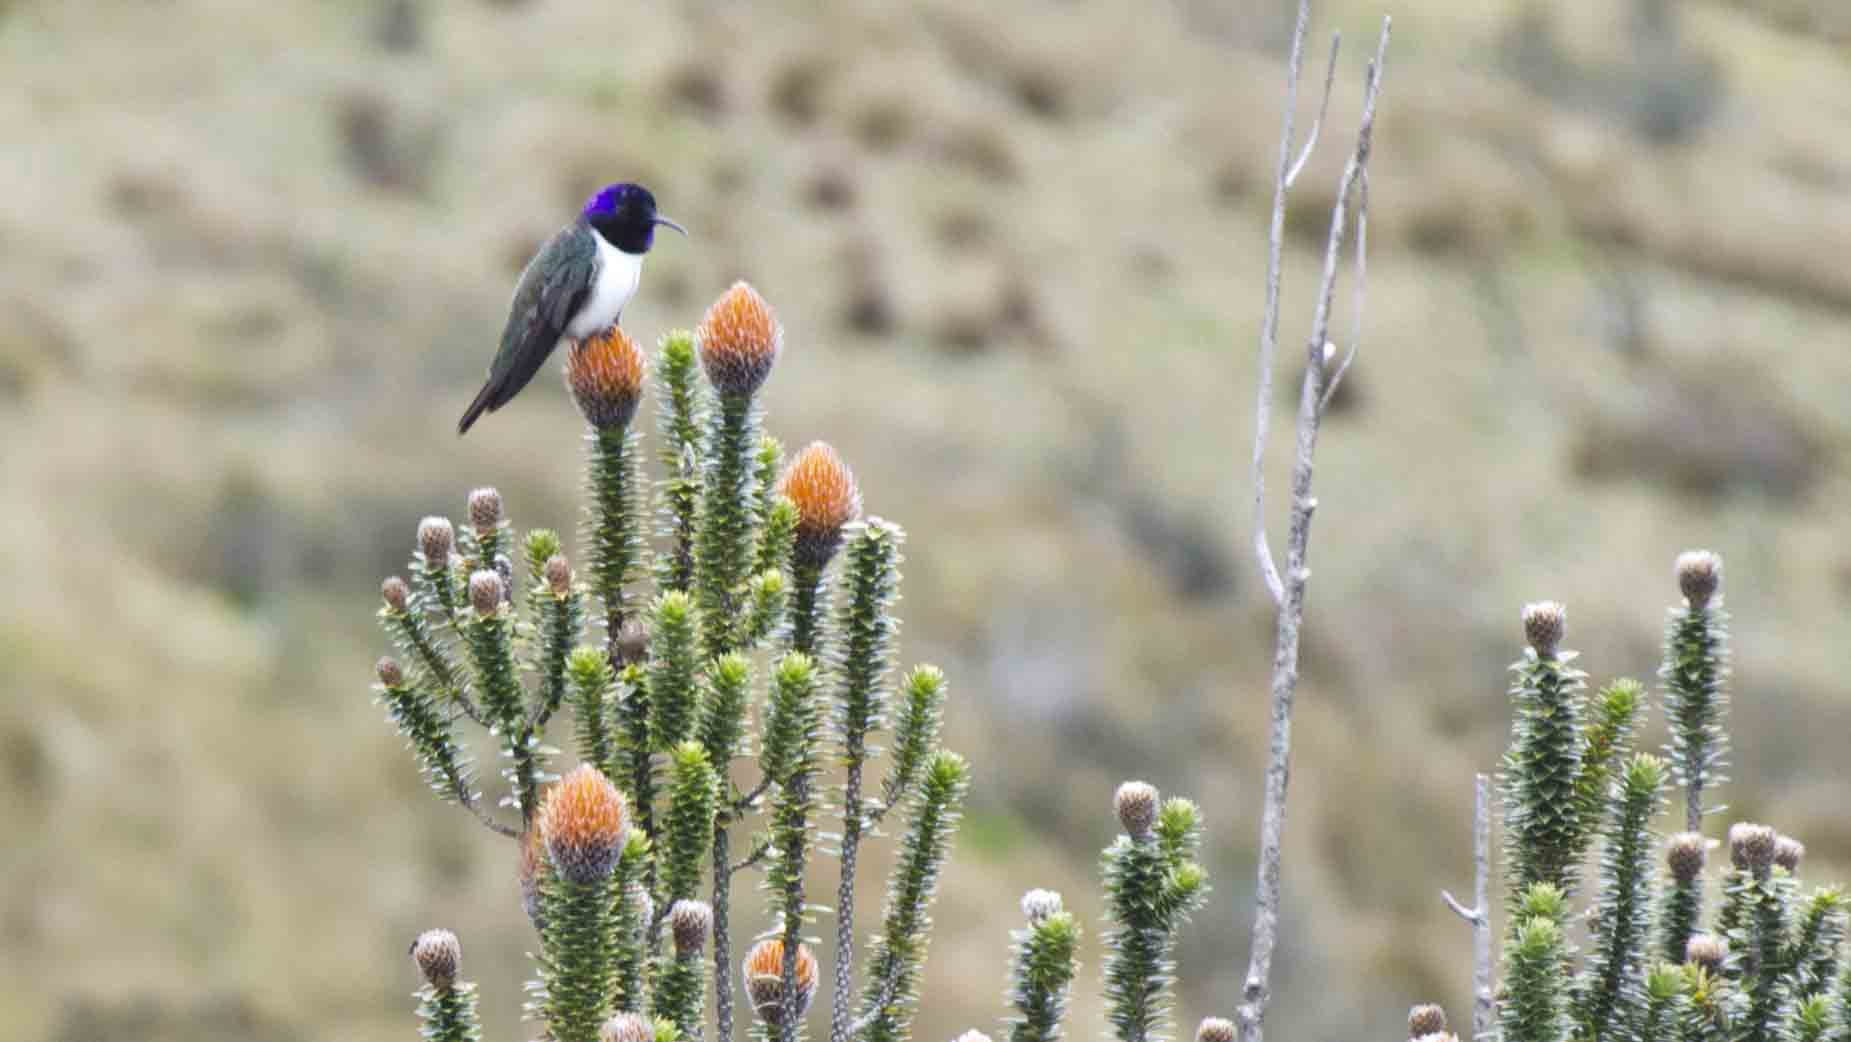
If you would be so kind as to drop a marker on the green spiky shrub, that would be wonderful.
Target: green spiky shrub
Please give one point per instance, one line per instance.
(1766, 965)
(657, 652)
(1152, 883)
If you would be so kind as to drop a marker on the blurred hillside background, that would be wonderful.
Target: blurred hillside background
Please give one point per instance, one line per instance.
(254, 258)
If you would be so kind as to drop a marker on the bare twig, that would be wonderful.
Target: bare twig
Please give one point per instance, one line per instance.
(750, 799)
(1269, 324)
(1479, 915)
(1311, 139)
(1288, 591)
(1362, 287)
(760, 847)
(474, 806)
(1470, 915)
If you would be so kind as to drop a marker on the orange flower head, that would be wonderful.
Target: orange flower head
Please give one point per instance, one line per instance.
(764, 973)
(583, 824)
(823, 489)
(739, 339)
(605, 375)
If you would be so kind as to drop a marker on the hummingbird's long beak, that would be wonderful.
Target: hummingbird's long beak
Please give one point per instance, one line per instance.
(663, 220)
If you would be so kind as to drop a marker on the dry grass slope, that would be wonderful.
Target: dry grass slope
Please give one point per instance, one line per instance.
(253, 257)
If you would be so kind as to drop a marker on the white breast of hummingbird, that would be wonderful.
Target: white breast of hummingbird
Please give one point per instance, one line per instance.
(612, 288)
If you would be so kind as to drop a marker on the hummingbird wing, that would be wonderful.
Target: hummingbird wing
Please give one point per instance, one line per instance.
(550, 292)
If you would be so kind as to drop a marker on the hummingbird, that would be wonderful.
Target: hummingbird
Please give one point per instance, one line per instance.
(575, 286)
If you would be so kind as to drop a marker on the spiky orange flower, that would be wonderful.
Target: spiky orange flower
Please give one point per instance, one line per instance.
(764, 973)
(605, 375)
(739, 338)
(823, 490)
(583, 823)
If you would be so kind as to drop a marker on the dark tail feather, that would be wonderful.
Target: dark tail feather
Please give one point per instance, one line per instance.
(503, 386)
(487, 400)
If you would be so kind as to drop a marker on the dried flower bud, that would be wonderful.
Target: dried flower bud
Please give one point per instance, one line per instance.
(485, 589)
(558, 575)
(1426, 1019)
(1788, 852)
(605, 376)
(436, 538)
(1136, 804)
(823, 489)
(1685, 854)
(583, 824)
(764, 974)
(632, 642)
(1707, 951)
(739, 339)
(1751, 847)
(1699, 575)
(690, 922)
(484, 510)
(1215, 1029)
(627, 1027)
(1040, 905)
(390, 672)
(973, 1035)
(395, 592)
(437, 954)
(1544, 623)
(533, 861)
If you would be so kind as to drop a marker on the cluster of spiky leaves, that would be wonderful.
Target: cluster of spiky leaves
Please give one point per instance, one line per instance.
(1615, 1001)
(584, 829)
(1545, 819)
(1694, 674)
(1768, 969)
(681, 983)
(1152, 883)
(1043, 968)
(1535, 1005)
(889, 997)
(630, 919)
(792, 761)
(497, 629)
(445, 1004)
